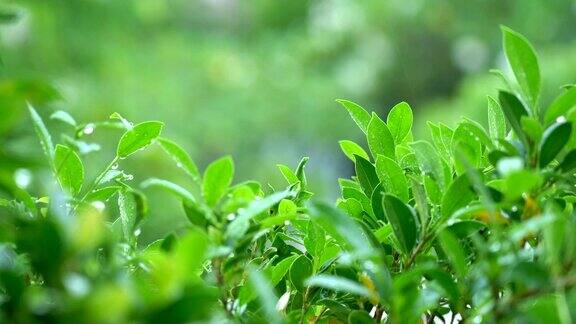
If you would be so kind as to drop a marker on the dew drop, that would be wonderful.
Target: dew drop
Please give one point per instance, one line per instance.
(231, 217)
(561, 119)
(22, 178)
(137, 232)
(129, 177)
(179, 164)
(98, 205)
(88, 129)
(114, 167)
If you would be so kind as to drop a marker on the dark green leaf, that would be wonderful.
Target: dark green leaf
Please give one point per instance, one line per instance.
(513, 110)
(553, 141)
(404, 222)
(366, 174)
(300, 271)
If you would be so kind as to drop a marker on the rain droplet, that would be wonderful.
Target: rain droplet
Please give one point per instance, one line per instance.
(22, 178)
(129, 177)
(114, 167)
(88, 129)
(561, 119)
(231, 217)
(98, 205)
(514, 208)
(137, 232)
(179, 164)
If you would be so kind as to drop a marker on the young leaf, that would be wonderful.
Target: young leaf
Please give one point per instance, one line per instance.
(43, 135)
(399, 121)
(182, 159)
(350, 149)
(366, 175)
(513, 110)
(429, 161)
(171, 187)
(360, 116)
(553, 141)
(524, 64)
(139, 137)
(128, 214)
(496, 120)
(288, 174)
(380, 140)
(392, 177)
(217, 178)
(561, 105)
(338, 284)
(238, 227)
(404, 222)
(69, 169)
(63, 117)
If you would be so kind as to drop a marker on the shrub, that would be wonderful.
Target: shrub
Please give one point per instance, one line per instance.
(475, 225)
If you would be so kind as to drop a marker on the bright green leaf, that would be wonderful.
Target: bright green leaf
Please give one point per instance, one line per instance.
(139, 137)
(399, 121)
(217, 178)
(69, 169)
(360, 116)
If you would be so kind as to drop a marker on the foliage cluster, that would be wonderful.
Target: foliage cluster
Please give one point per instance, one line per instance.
(477, 225)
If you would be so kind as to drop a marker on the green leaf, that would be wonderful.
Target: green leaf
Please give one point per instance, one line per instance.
(43, 135)
(266, 295)
(532, 128)
(300, 270)
(238, 227)
(360, 116)
(568, 164)
(338, 284)
(128, 208)
(454, 252)
(380, 140)
(103, 194)
(399, 121)
(524, 64)
(63, 117)
(170, 187)
(553, 141)
(182, 159)
(429, 161)
(496, 120)
(217, 178)
(350, 149)
(513, 110)
(403, 220)
(342, 228)
(288, 174)
(366, 174)
(459, 194)
(360, 317)
(561, 105)
(69, 169)
(138, 138)
(195, 214)
(392, 177)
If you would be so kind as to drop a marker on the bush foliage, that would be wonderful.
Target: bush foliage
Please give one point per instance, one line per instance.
(475, 225)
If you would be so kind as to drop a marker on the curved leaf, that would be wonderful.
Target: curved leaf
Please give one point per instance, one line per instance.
(399, 121)
(139, 137)
(69, 169)
(553, 141)
(403, 220)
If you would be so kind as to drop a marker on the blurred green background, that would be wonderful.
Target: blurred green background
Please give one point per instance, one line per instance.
(255, 79)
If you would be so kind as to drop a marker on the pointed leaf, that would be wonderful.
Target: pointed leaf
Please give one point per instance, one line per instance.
(139, 137)
(366, 174)
(43, 135)
(217, 178)
(392, 177)
(513, 110)
(496, 120)
(380, 140)
(360, 116)
(69, 169)
(399, 121)
(553, 141)
(350, 149)
(403, 220)
(561, 105)
(524, 64)
(429, 161)
(179, 155)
